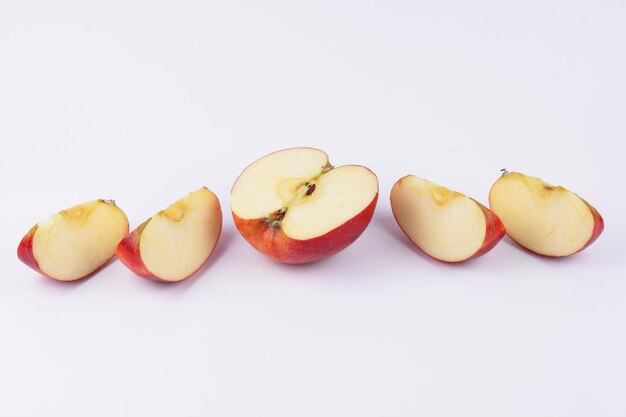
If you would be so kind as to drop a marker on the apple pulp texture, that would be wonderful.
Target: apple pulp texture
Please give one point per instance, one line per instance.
(444, 224)
(174, 243)
(75, 242)
(544, 219)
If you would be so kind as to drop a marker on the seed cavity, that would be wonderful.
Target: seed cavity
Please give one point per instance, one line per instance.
(274, 220)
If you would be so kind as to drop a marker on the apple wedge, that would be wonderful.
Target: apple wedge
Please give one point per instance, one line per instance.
(175, 242)
(295, 207)
(445, 224)
(75, 242)
(545, 219)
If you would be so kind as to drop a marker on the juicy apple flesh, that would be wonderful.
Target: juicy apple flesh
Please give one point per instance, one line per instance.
(445, 224)
(74, 242)
(545, 219)
(177, 241)
(298, 196)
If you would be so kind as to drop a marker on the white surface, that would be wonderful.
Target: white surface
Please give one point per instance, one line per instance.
(146, 101)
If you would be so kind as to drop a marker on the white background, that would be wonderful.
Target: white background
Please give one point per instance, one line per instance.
(144, 102)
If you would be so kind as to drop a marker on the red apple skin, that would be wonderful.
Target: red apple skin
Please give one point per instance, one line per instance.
(494, 231)
(128, 252)
(598, 226)
(25, 251)
(280, 247)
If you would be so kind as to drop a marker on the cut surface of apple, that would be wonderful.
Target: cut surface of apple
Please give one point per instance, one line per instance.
(175, 242)
(75, 242)
(545, 219)
(295, 207)
(445, 224)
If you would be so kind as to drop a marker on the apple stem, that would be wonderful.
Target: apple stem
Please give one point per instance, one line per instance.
(504, 171)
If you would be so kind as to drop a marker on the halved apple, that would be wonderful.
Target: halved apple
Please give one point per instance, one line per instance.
(445, 224)
(75, 242)
(545, 219)
(295, 207)
(175, 242)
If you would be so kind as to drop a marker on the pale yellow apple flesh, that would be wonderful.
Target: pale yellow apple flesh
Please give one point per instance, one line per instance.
(315, 197)
(445, 224)
(546, 219)
(75, 242)
(177, 241)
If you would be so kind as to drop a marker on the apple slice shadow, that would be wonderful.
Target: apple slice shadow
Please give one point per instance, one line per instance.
(49, 282)
(543, 258)
(225, 240)
(388, 223)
